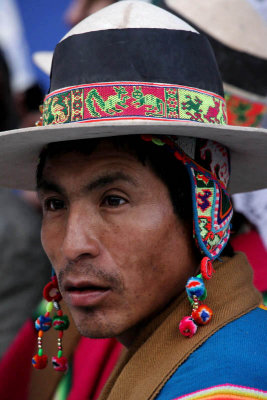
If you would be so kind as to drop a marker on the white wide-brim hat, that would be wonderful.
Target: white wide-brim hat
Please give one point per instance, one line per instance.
(133, 68)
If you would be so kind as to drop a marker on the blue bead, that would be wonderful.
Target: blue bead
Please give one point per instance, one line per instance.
(43, 323)
(195, 287)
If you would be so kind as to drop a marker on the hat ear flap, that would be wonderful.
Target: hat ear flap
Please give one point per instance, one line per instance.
(212, 213)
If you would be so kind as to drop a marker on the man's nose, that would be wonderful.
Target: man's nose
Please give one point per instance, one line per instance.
(80, 237)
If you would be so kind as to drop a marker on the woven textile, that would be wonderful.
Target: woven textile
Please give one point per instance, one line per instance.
(243, 111)
(120, 100)
(226, 392)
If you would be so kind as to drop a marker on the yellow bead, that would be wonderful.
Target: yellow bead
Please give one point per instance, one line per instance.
(49, 306)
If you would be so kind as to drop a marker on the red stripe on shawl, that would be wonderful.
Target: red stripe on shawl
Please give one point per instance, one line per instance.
(16, 365)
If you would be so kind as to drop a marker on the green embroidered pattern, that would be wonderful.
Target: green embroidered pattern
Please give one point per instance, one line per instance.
(132, 100)
(154, 105)
(109, 106)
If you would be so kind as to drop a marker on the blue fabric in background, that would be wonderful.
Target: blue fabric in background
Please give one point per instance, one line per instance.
(44, 26)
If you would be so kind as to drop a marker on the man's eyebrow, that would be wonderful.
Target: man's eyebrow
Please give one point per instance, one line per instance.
(47, 186)
(108, 178)
(100, 182)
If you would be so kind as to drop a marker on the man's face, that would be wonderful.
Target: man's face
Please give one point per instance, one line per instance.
(109, 230)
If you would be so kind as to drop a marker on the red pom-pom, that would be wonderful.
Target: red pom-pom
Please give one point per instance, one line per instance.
(39, 362)
(60, 363)
(202, 315)
(188, 327)
(206, 268)
(51, 291)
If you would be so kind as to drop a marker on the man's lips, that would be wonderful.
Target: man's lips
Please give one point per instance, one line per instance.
(84, 293)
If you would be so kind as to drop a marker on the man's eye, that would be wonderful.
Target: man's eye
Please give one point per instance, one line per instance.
(113, 201)
(53, 204)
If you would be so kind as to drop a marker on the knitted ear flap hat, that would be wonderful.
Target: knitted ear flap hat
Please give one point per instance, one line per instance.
(235, 31)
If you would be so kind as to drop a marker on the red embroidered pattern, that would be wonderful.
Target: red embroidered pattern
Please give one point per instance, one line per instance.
(244, 112)
(128, 100)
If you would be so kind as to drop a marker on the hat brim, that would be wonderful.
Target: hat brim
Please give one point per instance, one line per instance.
(20, 149)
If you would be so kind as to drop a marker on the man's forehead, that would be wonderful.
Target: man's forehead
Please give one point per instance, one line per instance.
(106, 164)
(104, 151)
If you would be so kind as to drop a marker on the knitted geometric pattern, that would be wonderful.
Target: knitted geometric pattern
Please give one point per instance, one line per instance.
(208, 167)
(244, 112)
(226, 392)
(128, 100)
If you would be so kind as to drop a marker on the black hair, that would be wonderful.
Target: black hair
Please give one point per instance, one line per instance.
(172, 172)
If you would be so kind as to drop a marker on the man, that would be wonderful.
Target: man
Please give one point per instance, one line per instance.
(143, 89)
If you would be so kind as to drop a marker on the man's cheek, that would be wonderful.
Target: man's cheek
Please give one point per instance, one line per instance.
(50, 245)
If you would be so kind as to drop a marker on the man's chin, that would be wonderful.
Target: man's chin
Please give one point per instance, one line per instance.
(95, 333)
(95, 328)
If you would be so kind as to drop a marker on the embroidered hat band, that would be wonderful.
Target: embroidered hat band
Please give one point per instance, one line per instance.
(124, 100)
(244, 111)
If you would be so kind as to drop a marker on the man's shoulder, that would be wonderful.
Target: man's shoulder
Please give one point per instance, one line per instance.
(235, 355)
(238, 345)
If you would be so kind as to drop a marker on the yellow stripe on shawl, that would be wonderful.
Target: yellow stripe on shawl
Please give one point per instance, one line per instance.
(226, 392)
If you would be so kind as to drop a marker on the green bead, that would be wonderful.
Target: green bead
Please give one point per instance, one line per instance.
(49, 306)
(40, 352)
(60, 323)
(59, 354)
(159, 142)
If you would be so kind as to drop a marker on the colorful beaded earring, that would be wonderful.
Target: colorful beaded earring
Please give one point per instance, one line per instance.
(196, 292)
(43, 323)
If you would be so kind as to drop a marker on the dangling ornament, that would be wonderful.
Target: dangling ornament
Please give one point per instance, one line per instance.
(206, 268)
(43, 323)
(196, 293)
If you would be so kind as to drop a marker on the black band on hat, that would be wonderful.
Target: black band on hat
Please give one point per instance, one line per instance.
(150, 55)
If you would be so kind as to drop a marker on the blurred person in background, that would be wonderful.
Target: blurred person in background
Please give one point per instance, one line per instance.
(27, 94)
(80, 9)
(24, 268)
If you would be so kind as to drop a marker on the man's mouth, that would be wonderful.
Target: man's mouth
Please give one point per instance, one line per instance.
(84, 293)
